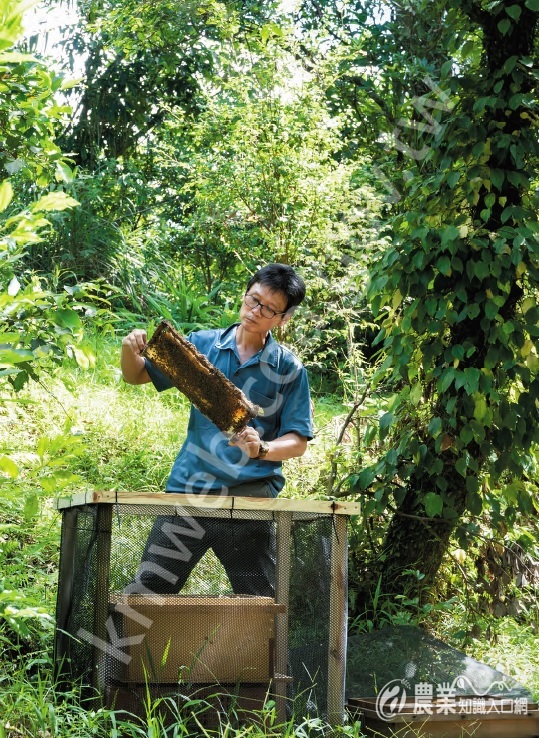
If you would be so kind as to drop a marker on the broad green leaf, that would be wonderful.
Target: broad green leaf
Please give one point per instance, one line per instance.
(31, 507)
(365, 478)
(80, 357)
(10, 337)
(68, 84)
(492, 357)
(514, 11)
(497, 177)
(452, 179)
(64, 173)
(466, 435)
(447, 379)
(10, 356)
(54, 201)
(6, 194)
(42, 447)
(511, 491)
(433, 504)
(491, 309)
(435, 427)
(370, 435)
(68, 318)
(482, 270)
(515, 101)
(416, 393)
(471, 379)
(444, 265)
(386, 420)
(472, 484)
(473, 310)
(490, 199)
(9, 467)
(441, 483)
(268, 30)
(474, 503)
(468, 48)
(480, 409)
(449, 234)
(461, 466)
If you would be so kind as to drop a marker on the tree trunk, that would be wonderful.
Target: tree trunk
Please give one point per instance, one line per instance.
(415, 543)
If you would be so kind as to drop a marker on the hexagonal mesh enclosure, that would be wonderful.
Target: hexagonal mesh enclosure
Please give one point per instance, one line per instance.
(261, 616)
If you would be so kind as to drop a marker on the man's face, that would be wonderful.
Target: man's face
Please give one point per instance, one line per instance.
(262, 308)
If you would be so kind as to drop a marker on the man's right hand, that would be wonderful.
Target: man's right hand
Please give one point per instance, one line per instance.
(132, 363)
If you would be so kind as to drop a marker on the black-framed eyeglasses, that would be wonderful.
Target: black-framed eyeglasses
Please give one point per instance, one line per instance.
(265, 310)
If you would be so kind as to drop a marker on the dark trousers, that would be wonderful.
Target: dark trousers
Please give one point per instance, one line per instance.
(245, 548)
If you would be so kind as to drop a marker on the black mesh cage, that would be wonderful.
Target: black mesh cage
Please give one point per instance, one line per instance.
(221, 605)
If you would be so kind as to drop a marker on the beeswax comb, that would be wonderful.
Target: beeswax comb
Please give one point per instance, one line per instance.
(203, 384)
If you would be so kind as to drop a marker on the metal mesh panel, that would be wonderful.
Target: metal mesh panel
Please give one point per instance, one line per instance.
(253, 617)
(412, 657)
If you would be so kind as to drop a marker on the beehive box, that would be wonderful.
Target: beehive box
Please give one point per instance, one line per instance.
(214, 639)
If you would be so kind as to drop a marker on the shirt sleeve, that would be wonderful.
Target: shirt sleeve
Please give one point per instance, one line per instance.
(160, 381)
(296, 413)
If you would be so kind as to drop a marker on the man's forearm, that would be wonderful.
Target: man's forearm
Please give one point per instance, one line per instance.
(286, 447)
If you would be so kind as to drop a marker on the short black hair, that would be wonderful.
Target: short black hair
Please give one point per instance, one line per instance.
(281, 278)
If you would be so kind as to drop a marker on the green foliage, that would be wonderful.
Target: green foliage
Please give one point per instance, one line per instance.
(85, 241)
(24, 487)
(389, 609)
(28, 111)
(162, 291)
(513, 650)
(38, 325)
(455, 300)
(257, 172)
(264, 172)
(141, 59)
(230, 140)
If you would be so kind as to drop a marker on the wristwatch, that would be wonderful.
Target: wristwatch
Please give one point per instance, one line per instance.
(263, 449)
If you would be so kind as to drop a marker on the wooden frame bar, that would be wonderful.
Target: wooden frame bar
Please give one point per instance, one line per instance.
(338, 613)
(211, 502)
(282, 596)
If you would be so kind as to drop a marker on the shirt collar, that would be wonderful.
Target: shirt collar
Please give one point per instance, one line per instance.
(268, 354)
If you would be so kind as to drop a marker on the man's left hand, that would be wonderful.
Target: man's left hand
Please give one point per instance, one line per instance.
(248, 440)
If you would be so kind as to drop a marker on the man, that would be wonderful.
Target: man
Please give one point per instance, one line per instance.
(249, 464)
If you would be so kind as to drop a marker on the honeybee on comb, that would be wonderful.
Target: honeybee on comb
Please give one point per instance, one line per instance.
(204, 385)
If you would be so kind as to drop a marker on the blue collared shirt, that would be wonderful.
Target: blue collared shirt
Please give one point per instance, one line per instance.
(275, 380)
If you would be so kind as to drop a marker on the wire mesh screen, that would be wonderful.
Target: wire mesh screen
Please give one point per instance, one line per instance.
(414, 658)
(217, 602)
